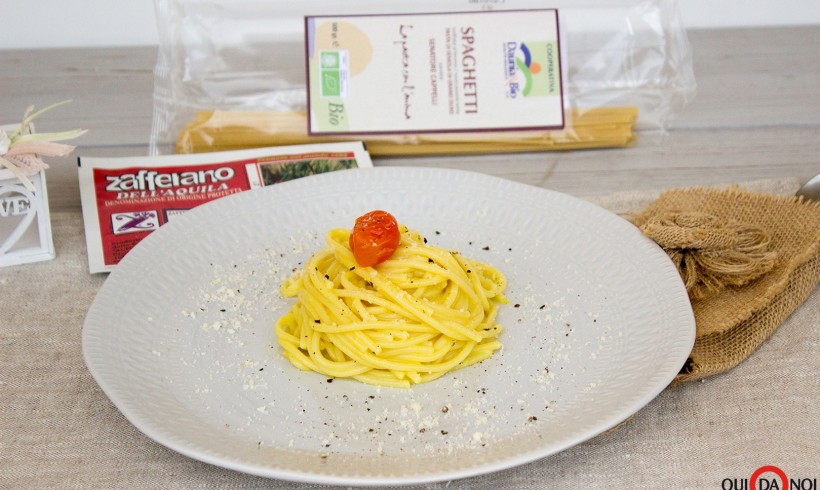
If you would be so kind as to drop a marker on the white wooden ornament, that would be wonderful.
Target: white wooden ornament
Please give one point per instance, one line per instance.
(25, 223)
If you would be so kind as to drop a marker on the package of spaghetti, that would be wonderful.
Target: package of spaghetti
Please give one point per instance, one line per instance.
(423, 77)
(125, 199)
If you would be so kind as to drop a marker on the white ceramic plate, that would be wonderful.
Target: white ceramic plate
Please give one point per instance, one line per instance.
(181, 336)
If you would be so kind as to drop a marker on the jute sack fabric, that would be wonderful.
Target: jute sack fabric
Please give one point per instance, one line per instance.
(757, 258)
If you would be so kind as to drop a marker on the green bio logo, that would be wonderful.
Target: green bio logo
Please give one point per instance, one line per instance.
(333, 73)
(331, 84)
(330, 59)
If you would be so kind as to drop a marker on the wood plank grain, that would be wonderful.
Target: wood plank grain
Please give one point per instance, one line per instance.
(754, 77)
(111, 91)
(756, 115)
(765, 76)
(677, 159)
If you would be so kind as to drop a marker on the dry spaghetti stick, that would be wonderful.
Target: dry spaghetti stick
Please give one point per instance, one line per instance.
(222, 130)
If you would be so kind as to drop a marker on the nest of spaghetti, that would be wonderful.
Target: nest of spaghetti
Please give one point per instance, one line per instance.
(418, 315)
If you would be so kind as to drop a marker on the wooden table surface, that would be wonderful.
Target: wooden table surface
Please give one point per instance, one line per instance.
(756, 115)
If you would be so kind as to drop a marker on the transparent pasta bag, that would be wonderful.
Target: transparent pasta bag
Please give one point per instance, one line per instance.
(232, 75)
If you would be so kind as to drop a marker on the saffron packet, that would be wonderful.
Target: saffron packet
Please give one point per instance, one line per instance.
(125, 199)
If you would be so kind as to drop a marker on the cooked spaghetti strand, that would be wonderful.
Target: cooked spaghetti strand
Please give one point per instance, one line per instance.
(423, 312)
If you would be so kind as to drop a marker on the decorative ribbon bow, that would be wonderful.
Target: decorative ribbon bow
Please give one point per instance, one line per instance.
(20, 151)
(711, 253)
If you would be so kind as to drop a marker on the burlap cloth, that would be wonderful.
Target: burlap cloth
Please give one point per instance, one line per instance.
(759, 258)
(58, 430)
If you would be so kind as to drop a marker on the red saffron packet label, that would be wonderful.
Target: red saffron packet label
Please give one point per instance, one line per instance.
(126, 199)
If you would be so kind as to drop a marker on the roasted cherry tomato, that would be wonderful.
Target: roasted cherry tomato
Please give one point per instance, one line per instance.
(374, 238)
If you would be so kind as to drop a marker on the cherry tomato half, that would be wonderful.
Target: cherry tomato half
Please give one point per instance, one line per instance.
(374, 238)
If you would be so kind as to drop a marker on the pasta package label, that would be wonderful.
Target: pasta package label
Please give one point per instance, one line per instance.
(126, 199)
(443, 72)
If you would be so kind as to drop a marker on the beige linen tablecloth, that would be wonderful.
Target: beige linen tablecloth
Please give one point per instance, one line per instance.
(58, 430)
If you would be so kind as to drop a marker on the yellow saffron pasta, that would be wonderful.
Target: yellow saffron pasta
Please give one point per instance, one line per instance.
(423, 312)
(598, 127)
